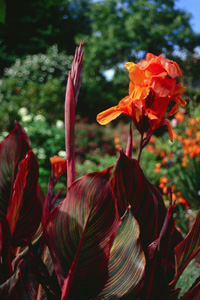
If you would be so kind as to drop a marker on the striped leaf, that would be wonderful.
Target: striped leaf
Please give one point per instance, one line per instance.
(131, 187)
(127, 262)
(12, 150)
(187, 249)
(7, 288)
(24, 212)
(79, 234)
(19, 201)
(35, 268)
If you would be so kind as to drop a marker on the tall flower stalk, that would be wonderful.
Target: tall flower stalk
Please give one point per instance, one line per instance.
(71, 99)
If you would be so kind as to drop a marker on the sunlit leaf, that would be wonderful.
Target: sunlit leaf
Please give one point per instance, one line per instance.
(79, 234)
(127, 262)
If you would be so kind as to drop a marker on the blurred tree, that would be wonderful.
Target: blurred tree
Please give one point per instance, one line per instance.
(32, 26)
(125, 30)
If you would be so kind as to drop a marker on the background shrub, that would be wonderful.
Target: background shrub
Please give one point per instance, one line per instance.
(38, 83)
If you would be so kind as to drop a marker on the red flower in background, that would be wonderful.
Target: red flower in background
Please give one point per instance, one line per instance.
(152, 87)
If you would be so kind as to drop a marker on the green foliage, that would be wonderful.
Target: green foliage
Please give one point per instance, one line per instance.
(38, 83)
(125, 31)
(2, 11)
(188, 277)
(33, 26)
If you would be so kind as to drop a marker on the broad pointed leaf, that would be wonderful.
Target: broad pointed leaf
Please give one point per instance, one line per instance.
(127, 262)
(7, 288)
(12, 150)
(174, 294)
(35, 267)
(79, 234)
(131, 187)
(158, 262)
(187, 249)
(19, 200)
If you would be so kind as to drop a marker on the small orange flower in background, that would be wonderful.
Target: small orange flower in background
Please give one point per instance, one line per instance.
(183, 201)
(180, 117)
(59, 165)
(152, 87)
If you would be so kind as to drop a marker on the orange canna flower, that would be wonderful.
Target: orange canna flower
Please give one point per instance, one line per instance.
(59, 165)
(152, 87)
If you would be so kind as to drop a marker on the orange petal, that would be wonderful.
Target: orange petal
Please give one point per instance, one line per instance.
(136, 75)
(108, 115)
(138, 92)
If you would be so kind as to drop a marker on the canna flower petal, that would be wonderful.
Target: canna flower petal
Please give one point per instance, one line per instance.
(138, 92)
(112, 113)
(159, 64)
(136, 75)
(108, 115)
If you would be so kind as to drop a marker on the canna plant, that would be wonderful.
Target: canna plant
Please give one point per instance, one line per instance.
(112, 236)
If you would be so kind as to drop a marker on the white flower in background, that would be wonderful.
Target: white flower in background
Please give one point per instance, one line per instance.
(41, 153)
(62, 153)
(39, 118)
(23, 111)
(27, 118)
(59, 124)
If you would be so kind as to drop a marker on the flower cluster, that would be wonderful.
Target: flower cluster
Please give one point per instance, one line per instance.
(176, 195)
(152, 88)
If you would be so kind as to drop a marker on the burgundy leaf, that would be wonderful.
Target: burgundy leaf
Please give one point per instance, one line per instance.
(19, 197)
(7, 289)
(173, 294)
(131, 187)
(187, 249)
(127, 262)
(12, 150)
(79, 234)
(25, 209)
(158, 262)
(23, 132)
(35, 266)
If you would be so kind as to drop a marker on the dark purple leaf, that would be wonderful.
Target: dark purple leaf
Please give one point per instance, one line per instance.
(79, 234)
(187, 249)
(19, 197)
(131, 187)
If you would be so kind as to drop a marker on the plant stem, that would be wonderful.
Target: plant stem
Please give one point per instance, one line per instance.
(141, 147)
